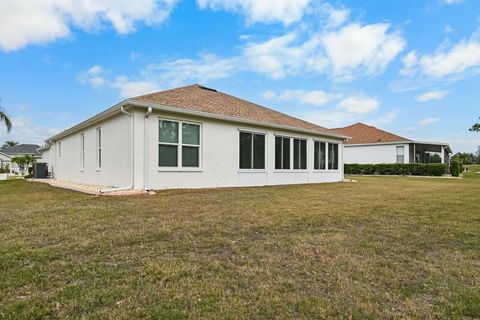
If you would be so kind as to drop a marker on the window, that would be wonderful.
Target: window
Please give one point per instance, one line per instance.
(333, 156)
(320, 155)
(252, 151)
(59, 149)
(299, 154)
(99, 148)
(400, 154)
(82, 151)
(282, 153)
(178, 140)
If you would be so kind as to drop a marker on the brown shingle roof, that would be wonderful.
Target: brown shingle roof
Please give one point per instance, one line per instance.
(199, 98)
(362, 133)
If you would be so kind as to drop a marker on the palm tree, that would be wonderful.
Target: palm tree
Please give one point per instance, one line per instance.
(4, 118)
(475, 127)
(10, 143)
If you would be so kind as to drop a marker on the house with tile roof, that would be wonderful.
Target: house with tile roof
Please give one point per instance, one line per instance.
(370, 145)
(194, 137)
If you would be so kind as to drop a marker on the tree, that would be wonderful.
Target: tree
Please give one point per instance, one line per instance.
(475, 127)
(464, 158)
(435, 158)
(10, 143)
(23, 162)
(4, 118)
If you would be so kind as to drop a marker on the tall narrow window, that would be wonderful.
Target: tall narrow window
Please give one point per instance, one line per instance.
(99, 148)
(82, 151)
(190, 145)
(320, 155)
(252, 150)
(299, 154)
(400, 154)
(168, 147)
(178, 144)
(59, 149)
(333, 156)
(282, 153)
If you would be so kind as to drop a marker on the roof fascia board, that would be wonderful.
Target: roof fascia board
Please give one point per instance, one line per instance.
(377, 143)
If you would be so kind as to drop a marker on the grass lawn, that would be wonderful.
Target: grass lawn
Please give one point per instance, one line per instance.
(380, 248)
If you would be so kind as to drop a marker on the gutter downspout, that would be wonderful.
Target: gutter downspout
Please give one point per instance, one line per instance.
(132, 140)
(145, 148)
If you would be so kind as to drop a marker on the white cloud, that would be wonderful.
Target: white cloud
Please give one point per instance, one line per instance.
(448, 28)
(268, 11)
(335, 17)
(93, 76)
(357, 48)
(359, 104)
(313, 97)
(346, 54)
(431, 95)
(446, 61)
(452, 1)
(25, 131)
(384, 119)
(129, 88)
(462, 56)
(40, 22)
(408, 129)
(409, 63)
(428, 121)
(332, 119)
(96, 77)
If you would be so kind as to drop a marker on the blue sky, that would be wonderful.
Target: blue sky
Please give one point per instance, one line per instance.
(409, 67)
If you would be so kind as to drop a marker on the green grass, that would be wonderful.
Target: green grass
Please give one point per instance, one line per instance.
(381, 248)
(473, 171)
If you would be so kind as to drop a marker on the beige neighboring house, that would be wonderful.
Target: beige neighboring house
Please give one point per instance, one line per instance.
(7, 153)
(194, 137)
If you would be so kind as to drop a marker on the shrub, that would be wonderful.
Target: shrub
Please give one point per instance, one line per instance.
(415, 169)
(455, 168)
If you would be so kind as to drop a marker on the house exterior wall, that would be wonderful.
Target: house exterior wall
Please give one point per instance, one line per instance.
(47, 157)
(219, 155)
(64, 157)
(374, 154)
(219, 158)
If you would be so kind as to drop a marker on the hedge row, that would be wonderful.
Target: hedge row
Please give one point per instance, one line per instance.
(414, 169)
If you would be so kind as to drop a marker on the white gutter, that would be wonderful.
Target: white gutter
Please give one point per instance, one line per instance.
(145, 148)
(132, 140)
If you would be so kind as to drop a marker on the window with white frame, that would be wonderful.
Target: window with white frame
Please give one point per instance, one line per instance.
(178, 144)
(299, 154)
(252, 150)
(332, 156)
(82, 151)
(282, 153)
(400, 154)
(320, 155)
(99, 147)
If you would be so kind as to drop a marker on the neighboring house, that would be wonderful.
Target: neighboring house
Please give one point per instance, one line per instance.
(194, 137)
(371, 145)
(7, 153)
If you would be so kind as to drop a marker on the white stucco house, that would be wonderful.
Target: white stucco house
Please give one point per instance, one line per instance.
(7, 153)
(194, 137)
(370, 145)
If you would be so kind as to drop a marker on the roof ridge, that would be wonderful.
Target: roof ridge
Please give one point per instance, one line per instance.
(167, 90)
